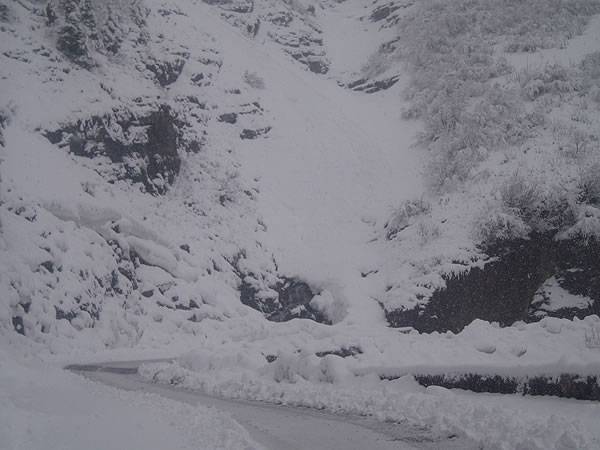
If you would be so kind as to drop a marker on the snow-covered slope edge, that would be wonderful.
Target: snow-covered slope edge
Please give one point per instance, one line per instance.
(137, 212)
(508, 95)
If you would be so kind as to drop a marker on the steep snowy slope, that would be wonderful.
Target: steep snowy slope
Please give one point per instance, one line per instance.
(190, 165)
(334, 165)
(192, 175)
(508, 96)
(91, 225)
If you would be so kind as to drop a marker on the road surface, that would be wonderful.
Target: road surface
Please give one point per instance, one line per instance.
(279, 427)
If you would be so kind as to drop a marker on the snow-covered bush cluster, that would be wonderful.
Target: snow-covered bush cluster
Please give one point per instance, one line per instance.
(461, 87)
(510, 144)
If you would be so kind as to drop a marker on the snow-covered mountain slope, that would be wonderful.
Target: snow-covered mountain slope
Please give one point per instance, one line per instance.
(191, 167)
(132, 200)
(185, 174)
(168, 163)
(165, 163)
(508, 96)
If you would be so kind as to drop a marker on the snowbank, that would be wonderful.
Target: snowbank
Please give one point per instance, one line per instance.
(285, 369)
(60, 410)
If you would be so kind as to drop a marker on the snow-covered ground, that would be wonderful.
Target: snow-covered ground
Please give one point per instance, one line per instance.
(493, 421)
(289, 427)
(44, 407)
(93, 267)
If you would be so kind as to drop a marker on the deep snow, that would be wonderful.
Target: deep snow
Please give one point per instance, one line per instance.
(309, 198)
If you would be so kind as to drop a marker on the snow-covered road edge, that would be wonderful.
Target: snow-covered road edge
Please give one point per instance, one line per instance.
(494, 421)
(45, 407)
(284, 427)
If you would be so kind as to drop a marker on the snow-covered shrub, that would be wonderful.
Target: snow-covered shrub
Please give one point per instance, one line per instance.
(544, 209)
(520, 196)
(451, 48)
(450, 165)
(523, 207)
(406, 215)
(589, 70)
(590, 66)
(551, 79)
(427, 231)
(254, 80)
(586, 227)
(574, 139)
(589, 185)
(496, 225)
(592, 337)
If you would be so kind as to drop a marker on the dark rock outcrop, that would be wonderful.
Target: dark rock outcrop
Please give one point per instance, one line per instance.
(382, 12)
(228, 118)
(3, 123)
(370, 87)
(282, 19)
(17, 323)
(315, 62)
(343, 352)
(292, 301)
(166, 72)
(71, 42)
(504, 289)
(564, 385)
(253, 134)
(84, 27)
(389, 14)
(141, 146)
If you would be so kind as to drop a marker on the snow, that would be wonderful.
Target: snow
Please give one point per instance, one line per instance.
(309, 199)
(494, 421)
(239, 370)
(64, 411)
(290, 428)
(339, 162)
(553, 297)
(573, 51)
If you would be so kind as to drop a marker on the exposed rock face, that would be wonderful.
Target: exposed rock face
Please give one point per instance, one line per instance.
(142, 147)
(382, 12)
(290, 24)
(504, 289)
(253, 134)
(343, 352)
(388, 13)
(370, 87)
(567, 385)
(86, 26)
(564, 385)
(230, 118)
(166, 72)
(3, 123)
(292, 301)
